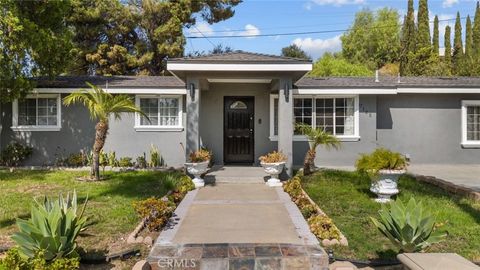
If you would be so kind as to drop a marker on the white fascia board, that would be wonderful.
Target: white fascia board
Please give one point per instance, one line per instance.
(168, 91)
(433, 90)
(348, 91)
(238, 67)
(239, 80)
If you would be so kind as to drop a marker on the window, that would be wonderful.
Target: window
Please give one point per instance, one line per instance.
(471, 123)
(336, 115)
(37, 113)
(163, 112)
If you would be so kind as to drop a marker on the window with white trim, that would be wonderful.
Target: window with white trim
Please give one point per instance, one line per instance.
(471, 123)
(163, 112)
(39, 112)
(336, 115)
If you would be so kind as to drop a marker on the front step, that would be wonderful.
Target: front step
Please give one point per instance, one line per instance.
(236, 175)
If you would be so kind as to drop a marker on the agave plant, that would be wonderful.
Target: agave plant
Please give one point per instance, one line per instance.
(53, 228)
(410, 227)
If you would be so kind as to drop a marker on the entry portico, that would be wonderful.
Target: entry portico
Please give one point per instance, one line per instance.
(228, 100)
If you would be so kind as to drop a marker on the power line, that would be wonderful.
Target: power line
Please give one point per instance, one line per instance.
(299, 33)
(204, 36)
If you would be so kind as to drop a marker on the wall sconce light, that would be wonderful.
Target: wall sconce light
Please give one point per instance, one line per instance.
(192, 91)
(287, 91)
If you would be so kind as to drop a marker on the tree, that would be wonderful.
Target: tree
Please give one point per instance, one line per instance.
(423, 25)
(316, 137)
(407, 38)
(373, 39)
(330, 65)
(457, 57)
(295, 52)
(34, 41)
(468, 66)
(436, 34)
(448, 46)
(476, 33)
(102, 107)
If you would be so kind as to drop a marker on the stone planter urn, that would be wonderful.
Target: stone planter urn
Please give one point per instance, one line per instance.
(385, 184)
(274, 170)
(197, 169)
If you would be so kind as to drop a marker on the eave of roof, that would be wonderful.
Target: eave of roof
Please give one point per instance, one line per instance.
(239, 57)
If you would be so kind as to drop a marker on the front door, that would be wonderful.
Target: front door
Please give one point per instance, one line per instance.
(238, 130)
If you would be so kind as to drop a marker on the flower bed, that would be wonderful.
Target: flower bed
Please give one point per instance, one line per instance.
(320, 224)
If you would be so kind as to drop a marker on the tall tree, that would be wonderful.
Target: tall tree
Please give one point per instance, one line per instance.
(330, 65)
(423, 25)
(468, 47)
(436, 40)
(457, 57)
(34, 41)
(448, 46)
(373, 39)
(408, 38)
(295, 52)
(476, 33)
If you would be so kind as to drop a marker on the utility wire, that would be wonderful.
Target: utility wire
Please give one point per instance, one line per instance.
(204, 37)
(300, 33)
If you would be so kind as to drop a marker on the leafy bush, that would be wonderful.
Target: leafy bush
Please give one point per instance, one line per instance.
(155, 158)
(13, 260)
(293, 187)
(200, 156)
(410, 227)
(103, 159)
(182, 186)
(53, 229)
(273, 157)
(112, 159)
(14, 154)
(125, 162)
(141, 162)
(381, 159)
(75, 160)
(323, 227)
(155, 212)
(308, 211)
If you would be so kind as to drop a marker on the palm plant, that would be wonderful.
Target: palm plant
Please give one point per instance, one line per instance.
(316, 137)
(102, 106)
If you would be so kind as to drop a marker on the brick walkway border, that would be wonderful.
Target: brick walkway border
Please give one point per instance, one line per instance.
(449, 186)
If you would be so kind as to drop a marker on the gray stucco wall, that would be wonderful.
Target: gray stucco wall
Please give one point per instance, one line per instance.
(77, 133)
(211, 114)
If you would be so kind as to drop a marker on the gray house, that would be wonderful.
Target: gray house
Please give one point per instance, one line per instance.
(242, 105)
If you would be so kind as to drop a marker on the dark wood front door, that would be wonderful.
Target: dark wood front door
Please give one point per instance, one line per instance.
(238, 130)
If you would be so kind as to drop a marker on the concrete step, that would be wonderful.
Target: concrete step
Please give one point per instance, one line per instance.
(236, 174)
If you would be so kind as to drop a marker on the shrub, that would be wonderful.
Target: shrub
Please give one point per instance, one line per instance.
(182, 187)
(75, 160)
(200, 156)
(53, 229)
(141, 162)
(410, 227)
(308, 211)
(381, 159)
(112, 159)
(323, 227)
(273, 157)
(103, 159)
(13, 260)
(14, 154)
(155, 212)
(125, 162)
(293, 187)
(155, 158)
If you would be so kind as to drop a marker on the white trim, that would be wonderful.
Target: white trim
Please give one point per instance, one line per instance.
(342, 91)
(239, 80)
(237, 67)
(16, 127)
(344, 138)
(142, 128)
(163, 91)
(465, 142)
(433, 90)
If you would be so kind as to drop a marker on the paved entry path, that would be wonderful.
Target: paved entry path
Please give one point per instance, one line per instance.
(252, 222)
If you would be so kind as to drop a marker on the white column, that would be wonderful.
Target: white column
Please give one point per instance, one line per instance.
(193, 116)
(285, 122)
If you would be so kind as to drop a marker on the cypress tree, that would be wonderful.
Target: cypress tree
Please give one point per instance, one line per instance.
(457, 56)
(448, 46)
(408, 38)
(423, 25)
(435, 36)
(468, 39)
(476, 33)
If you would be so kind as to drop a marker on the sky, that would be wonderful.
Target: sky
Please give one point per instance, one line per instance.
(332, 17)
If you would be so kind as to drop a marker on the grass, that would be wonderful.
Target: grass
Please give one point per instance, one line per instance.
(110, 211)
(346, 198)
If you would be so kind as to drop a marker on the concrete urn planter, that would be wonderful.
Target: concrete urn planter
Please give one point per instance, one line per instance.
(274, 170)
(385, 184)
(197, 169)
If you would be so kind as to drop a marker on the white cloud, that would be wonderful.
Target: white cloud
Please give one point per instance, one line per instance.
(201, 28)
(316, 47)
(338, 2)
(251, 30)
(449, 3)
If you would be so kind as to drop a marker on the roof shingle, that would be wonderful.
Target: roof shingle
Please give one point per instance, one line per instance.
(110, 81)
(240, 57)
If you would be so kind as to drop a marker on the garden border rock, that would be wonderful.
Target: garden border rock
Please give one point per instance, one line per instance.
(449, 186)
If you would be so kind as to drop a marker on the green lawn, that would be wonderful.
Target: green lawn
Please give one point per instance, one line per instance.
(110, 210)
(346, 198)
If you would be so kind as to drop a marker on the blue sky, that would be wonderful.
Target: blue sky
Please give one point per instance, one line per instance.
(254, 17)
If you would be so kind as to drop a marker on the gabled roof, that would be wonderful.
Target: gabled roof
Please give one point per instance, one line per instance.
(110, 82)
(240, 57)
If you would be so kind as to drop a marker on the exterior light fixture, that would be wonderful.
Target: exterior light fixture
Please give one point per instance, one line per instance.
(287, 91)
(192, 91)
